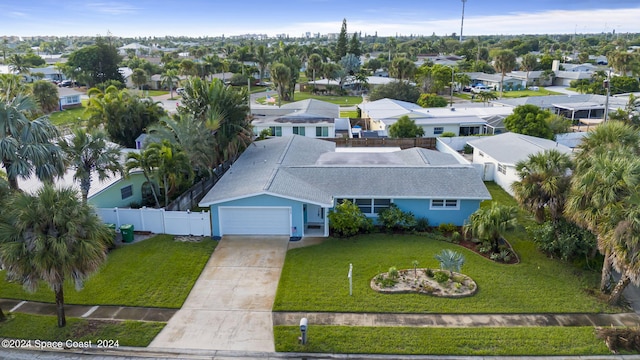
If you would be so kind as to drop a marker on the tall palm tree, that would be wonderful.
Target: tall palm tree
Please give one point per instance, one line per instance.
(280, 75)
(263, 58)
(173, 168)
(139, 78)
(403, 69)
(544, 183)
(504, 62)
(486, 96)
(45, 94)
(52, 237)
(147, 162)
(87, 153)
(489, 223)
(169, 79)
(27, 146)
(315, 65)
(528, 64)
(18, 64)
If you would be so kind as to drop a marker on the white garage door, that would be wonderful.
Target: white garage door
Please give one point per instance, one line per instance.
(255, 221)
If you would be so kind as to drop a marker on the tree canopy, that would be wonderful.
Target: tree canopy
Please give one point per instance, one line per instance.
(529, 120)
(405, 128)
(397, 90)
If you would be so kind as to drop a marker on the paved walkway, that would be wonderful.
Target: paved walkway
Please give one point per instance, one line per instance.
(229, 307)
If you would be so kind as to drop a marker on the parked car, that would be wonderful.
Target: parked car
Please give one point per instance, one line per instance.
(179, 91)
(480, 88)
(65, 83)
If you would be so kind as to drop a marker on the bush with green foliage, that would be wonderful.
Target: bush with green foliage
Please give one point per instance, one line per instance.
(441, 276)
(468, 149)
(448, 134)
(239, 79)
(346, 220)
(405, 127)
(529, 120)
(447, 227)
(432, 100)
(397, 90)
(392, 218)
(422, 224)
(563, 239)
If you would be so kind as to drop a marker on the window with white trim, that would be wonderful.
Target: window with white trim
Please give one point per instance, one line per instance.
(322, 131)
(126, 192)
(276, 130)
(444, 204)
(369, 207)
(438, 130)
(502, 168)
(298, 130)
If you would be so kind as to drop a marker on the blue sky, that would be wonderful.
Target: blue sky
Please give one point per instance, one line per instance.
(214, 18)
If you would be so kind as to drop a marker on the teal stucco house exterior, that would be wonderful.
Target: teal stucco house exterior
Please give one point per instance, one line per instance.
(287, 185)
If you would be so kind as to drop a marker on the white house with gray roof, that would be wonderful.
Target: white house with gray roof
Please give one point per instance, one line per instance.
(499, 155)
(287, 185)
(311, 118)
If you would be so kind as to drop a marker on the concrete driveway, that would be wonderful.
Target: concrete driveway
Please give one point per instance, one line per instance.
(229, 307)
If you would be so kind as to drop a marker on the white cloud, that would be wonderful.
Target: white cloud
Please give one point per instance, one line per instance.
(112, 8)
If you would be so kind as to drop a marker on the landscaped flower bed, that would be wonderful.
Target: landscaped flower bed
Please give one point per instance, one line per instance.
(439, 283)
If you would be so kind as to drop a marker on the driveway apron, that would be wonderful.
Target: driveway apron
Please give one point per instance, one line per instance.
(229, 307)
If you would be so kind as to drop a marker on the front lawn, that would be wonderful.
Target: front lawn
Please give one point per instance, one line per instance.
(315, 278)
(334, 99)
(526, 93)
(442, 341)
(157, 272)
(38, 327)
(70, 117)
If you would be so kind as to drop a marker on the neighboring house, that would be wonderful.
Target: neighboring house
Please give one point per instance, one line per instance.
(114, 191)
(499, 155)
(351, 83)
(493, 81)
(69, 98)
(311, 118)
(138, 48)
(288, 185)
(574, 107)
(50, 73)
(385, 112)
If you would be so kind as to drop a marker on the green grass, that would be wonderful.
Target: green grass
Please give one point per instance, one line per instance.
(527, 93)
(38, 327)
(348, 114)
(442, 341)
(313, 278)
(157, 272)
(339, 100)
(157, 92)
(69, 117)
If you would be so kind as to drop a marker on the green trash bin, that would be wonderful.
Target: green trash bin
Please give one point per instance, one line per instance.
(127, 233)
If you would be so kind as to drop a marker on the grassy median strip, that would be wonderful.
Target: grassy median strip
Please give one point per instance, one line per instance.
(442, 341)
(157, 272)
(44, 328)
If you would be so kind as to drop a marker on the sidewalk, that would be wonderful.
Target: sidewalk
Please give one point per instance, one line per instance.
(101, 312)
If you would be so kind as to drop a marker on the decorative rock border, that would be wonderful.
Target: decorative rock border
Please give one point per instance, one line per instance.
(423, 284)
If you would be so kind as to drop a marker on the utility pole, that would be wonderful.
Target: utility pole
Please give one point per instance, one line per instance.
(462, 22)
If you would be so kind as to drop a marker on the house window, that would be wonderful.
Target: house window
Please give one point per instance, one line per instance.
(438, 130)
(502, 168)
(369, 207)
(444, 204)
(322, 131)
(276, 130)
(126, 192)
(298, 130)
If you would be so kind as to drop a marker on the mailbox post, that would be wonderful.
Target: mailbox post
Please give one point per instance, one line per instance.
(303, 331)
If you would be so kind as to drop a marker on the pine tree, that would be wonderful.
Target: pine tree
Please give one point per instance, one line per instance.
(354, 45)
(341, 45)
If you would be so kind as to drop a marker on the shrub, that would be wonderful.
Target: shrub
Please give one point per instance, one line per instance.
(422, 224)
(448, 134)
(346, 219)
(447, 227)
(441, 276)
(468, 149)
(450, 260)
(431, 100)
(456, 237)
(392, 218)
(429, 273)
(398, 90)
(562, 239)
(392, 273)
(239, 79)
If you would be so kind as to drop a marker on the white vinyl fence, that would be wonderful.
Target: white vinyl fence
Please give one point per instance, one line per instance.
(159, 221)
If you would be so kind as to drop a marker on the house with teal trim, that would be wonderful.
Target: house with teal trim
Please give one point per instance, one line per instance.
(287, 185)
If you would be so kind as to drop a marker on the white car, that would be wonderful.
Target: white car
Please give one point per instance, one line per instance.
(179, 91)
(480, 88)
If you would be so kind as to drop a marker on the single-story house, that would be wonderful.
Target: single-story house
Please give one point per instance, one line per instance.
(574, 107)
(493, 81)
(287, 186)
(385, 112)
(69, 98)
(499, 155)
(312, 118)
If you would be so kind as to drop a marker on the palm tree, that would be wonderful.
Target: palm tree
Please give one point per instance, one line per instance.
(262, 58)
(544, 183)
(147, 162)
(52, 236)
(315, 65)
(504, 62)
(403, 69)
(169, 79)
(280, 75)
(450, 260)
(27, 147)
(489, 223)
(87, 153)
(528, 64)
(45, 94)
(625, 238)
(18, 65)
(486, 96)
(139, 78)
(173, 168)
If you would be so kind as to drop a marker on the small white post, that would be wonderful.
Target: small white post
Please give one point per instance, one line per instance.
(350, 276)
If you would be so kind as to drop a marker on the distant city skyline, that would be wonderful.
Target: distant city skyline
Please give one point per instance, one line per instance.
(196, 18)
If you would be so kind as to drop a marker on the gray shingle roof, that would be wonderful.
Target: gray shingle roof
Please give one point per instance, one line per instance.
(509, 148)
(309, 170)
